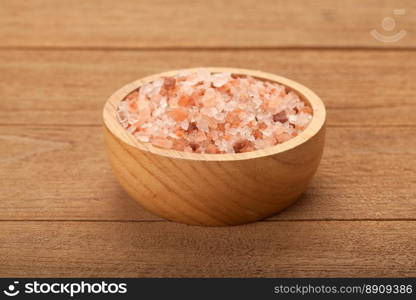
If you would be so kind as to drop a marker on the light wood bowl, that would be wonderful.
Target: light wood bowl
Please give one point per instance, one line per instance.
(215, 189)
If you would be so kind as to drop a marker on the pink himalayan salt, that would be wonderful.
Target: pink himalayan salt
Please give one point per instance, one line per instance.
(213, 113)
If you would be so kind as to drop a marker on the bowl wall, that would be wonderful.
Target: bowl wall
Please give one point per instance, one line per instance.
(214, 192)
(215, 189)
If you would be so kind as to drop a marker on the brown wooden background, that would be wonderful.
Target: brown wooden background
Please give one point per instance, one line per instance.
(62, 213)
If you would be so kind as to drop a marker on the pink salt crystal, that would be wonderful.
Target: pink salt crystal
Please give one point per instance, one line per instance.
(169, 83)
(179, 144)
(178, 114)
(307, 110)
(280, 117)
(283, 137)
(185, 100)
(241, 146)
(213, 113)
(162, 142)
(188, 149)
(133, 95)
(212, 149)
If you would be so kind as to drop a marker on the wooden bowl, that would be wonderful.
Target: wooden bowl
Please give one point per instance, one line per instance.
(215, 189)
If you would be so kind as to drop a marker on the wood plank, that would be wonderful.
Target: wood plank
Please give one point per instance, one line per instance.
(267, 249)
(70, 87)
(61, 173)
(237, 23)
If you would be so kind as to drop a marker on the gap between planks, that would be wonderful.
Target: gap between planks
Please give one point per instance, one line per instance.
(213, 49)
(166, 221)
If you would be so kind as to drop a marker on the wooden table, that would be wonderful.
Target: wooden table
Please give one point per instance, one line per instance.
(62, 213)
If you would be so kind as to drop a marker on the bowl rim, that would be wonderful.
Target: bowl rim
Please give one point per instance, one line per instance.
(317, 122)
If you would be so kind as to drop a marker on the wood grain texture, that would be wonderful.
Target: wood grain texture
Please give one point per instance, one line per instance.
(215, 189)
(265, 249)
(52, 165)
(70, 87)
(178, 23)
(62, 173)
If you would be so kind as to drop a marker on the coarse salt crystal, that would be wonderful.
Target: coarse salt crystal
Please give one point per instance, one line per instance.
(292, 118)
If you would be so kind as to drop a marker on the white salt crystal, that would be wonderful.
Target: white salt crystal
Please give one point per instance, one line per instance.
(184, 125)
(203, 75)
(142, 138)
(202, 124)
(218, 80)
(292, 118)
(121, 116)
(251, 138)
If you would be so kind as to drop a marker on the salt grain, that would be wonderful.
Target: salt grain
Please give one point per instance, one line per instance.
(213, 113)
